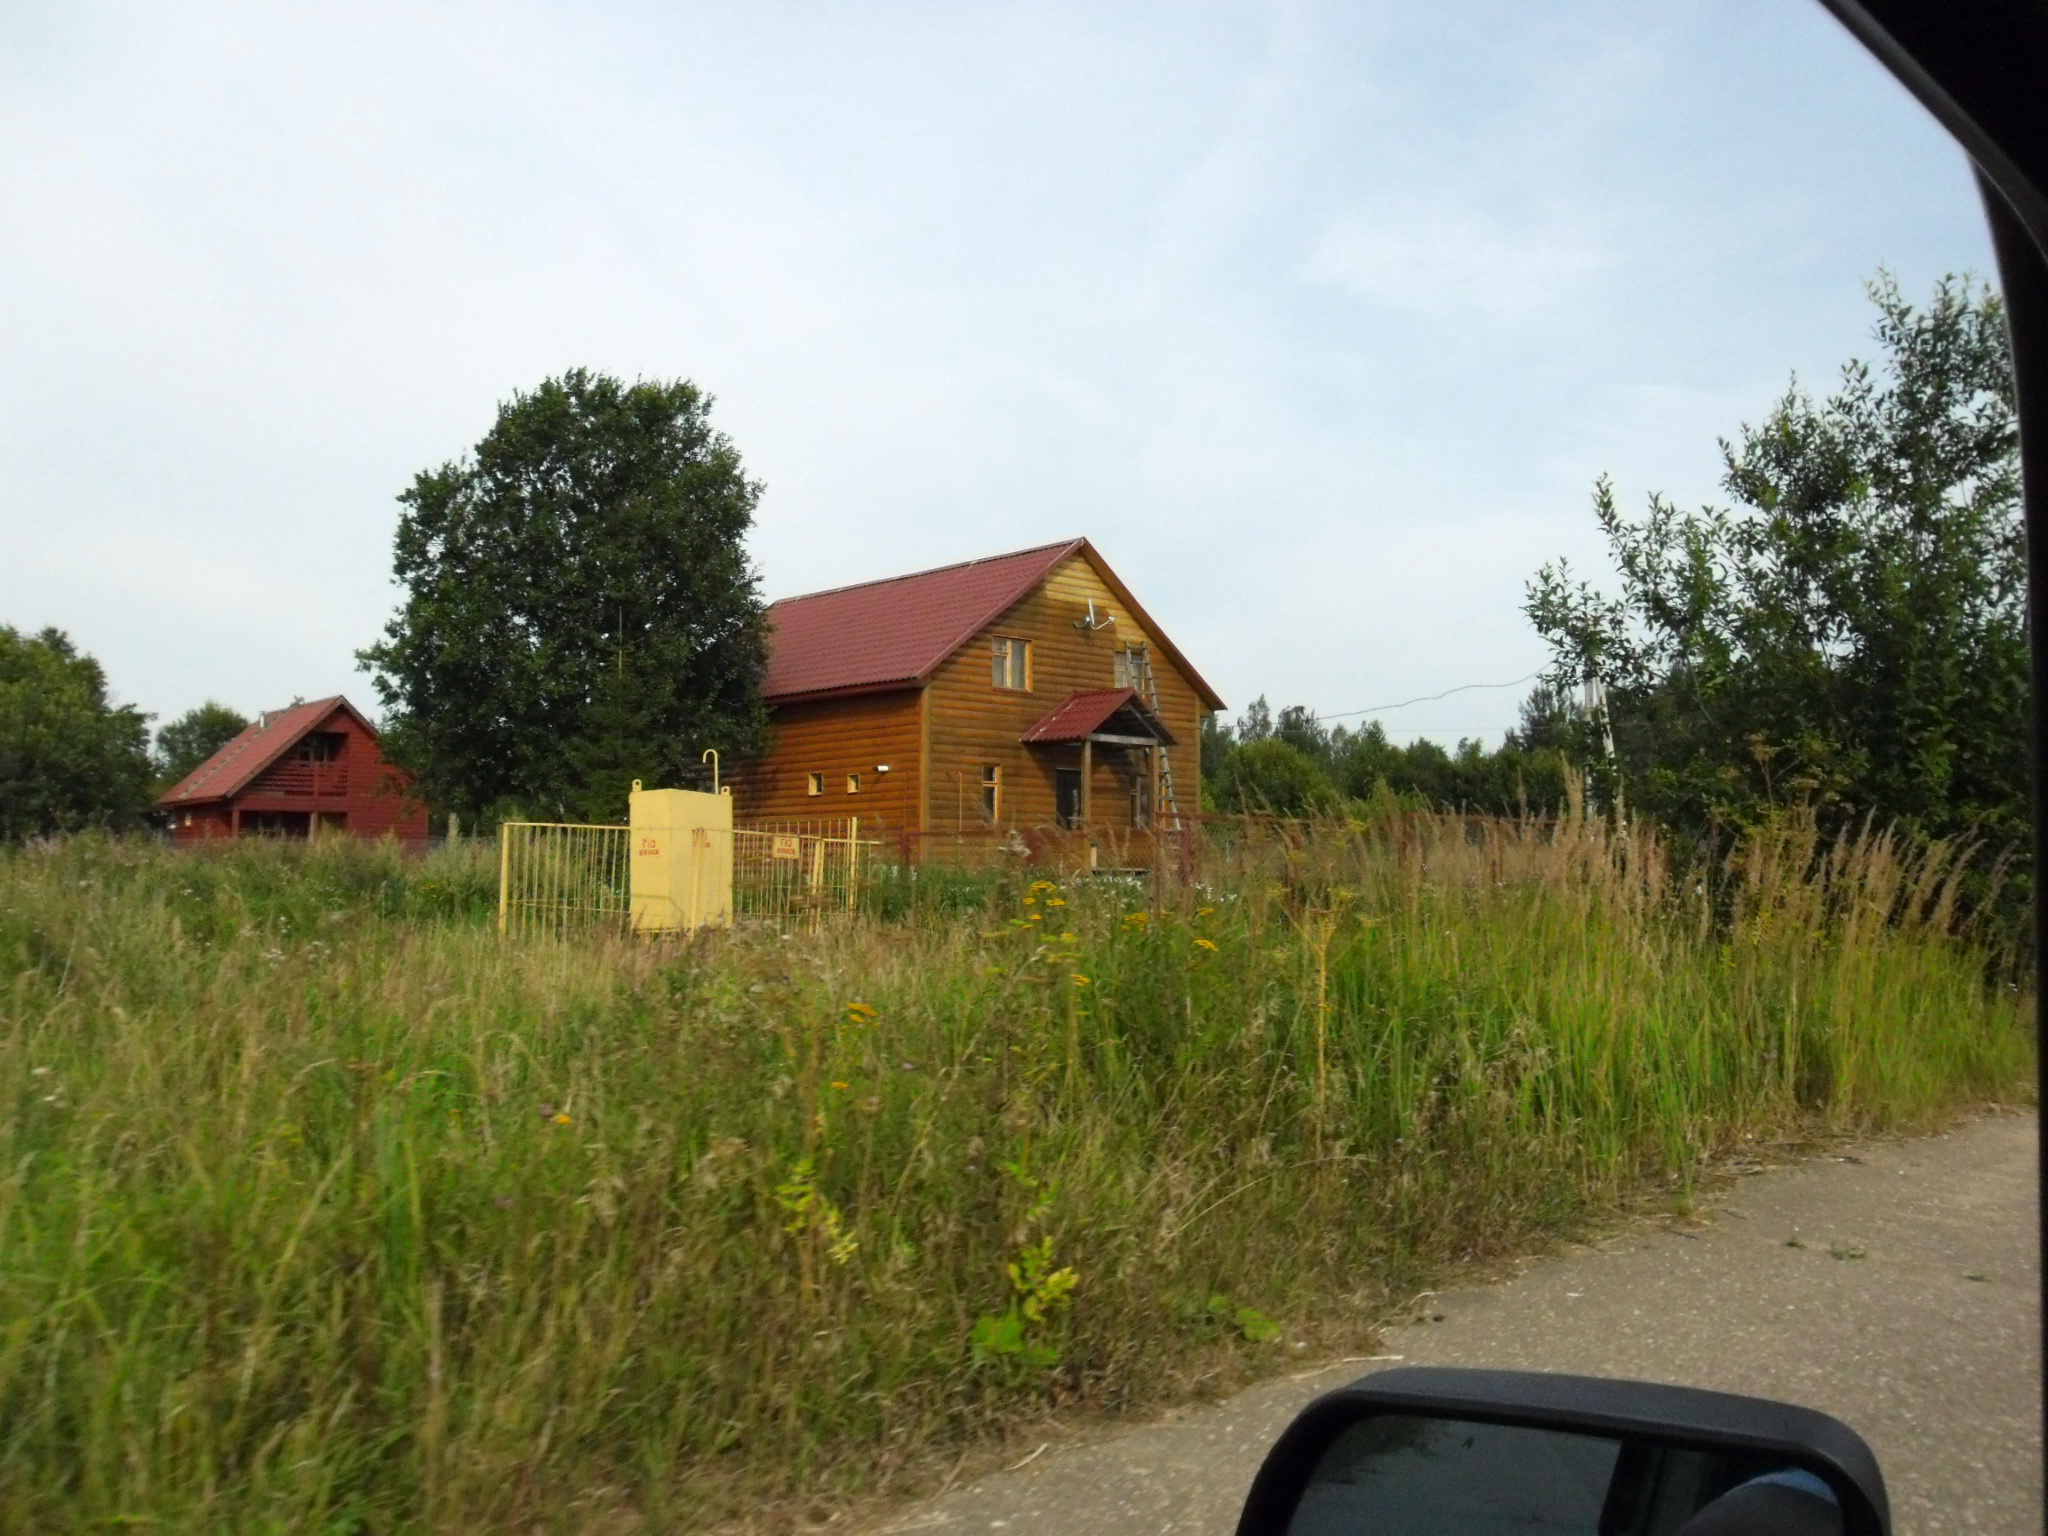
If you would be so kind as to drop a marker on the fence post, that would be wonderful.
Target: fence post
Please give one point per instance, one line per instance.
(504, 872)
(852, 861)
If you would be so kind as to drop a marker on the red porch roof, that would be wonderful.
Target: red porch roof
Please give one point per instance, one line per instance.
(1080, 715)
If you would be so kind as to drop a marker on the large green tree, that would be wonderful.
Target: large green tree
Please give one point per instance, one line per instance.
(1850, 632)
(193, 737)
(580, 611)
(69, 759)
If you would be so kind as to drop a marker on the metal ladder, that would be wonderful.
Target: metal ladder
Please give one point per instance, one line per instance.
(1142, 679)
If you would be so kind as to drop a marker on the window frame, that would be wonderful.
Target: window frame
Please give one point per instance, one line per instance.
(991, 794)
(814, 783)
(853, 783)
(1010, 655)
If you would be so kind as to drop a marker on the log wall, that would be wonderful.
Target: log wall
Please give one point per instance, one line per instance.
(835, 738)
(974, 723)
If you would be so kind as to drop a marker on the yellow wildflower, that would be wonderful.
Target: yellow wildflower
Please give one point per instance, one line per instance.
(1055, 901)
(1208, 944)
(1080, 981)
(564, 1119)
(842, 1087)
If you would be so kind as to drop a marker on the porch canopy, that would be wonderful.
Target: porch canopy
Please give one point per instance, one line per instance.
(1110, 717)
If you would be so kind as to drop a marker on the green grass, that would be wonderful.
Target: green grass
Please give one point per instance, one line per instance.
(321, 1209)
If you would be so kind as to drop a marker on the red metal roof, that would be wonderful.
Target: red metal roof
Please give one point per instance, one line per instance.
(898, 630)
(272, 734)
(1085, 712)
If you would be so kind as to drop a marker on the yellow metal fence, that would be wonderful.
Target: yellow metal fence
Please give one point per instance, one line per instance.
(555, 878)
(560, 878)
(796, 870)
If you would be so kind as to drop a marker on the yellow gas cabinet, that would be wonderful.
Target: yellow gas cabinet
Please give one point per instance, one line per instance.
(682, 859)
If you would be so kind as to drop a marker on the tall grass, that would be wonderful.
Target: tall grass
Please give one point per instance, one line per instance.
(322, 1209)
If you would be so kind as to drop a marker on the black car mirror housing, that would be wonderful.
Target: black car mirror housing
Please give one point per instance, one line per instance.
(1420, 1450)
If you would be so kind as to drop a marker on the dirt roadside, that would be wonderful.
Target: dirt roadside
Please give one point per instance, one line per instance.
(1893, 1284)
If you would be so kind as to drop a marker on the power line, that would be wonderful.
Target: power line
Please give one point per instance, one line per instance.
(1428, 698)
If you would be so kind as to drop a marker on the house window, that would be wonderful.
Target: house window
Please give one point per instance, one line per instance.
(853, 783)
(320, 747)
(817, 783)
(1012, 664)
(1127, 667)
(991, 793)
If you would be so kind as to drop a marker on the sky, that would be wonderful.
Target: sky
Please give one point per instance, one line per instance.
(1318, 319)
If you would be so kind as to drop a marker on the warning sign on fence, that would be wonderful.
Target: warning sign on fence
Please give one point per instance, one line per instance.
(788, 846)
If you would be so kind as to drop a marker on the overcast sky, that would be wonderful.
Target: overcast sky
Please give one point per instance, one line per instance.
(1319, 319)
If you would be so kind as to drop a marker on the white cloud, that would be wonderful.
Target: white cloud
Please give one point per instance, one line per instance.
(1460, 265)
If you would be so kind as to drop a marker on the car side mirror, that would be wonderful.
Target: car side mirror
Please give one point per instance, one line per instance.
(1437, 1451)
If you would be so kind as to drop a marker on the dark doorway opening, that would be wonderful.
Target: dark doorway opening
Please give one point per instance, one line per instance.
(1066, 796)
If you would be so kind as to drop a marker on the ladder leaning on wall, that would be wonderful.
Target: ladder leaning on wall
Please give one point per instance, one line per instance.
(1142, 679)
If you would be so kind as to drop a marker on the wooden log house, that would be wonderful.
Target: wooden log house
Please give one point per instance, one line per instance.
(1013, 702)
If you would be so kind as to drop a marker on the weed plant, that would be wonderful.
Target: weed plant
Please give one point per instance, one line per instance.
(323, 1209)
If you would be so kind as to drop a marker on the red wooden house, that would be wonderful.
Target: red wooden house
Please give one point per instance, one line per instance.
(311, 768)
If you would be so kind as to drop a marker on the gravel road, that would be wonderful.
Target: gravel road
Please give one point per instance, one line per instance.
(1894, 1286)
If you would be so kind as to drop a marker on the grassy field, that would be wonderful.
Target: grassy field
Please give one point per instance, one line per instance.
(321, 1209)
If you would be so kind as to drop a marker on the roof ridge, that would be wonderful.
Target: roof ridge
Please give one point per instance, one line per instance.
(936, 570)
(265, 718)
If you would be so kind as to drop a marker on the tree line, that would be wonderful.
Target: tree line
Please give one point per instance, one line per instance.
(1845, 633)
(1293, 764)
(71, 758)
(579, 612)
(1849, 631)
